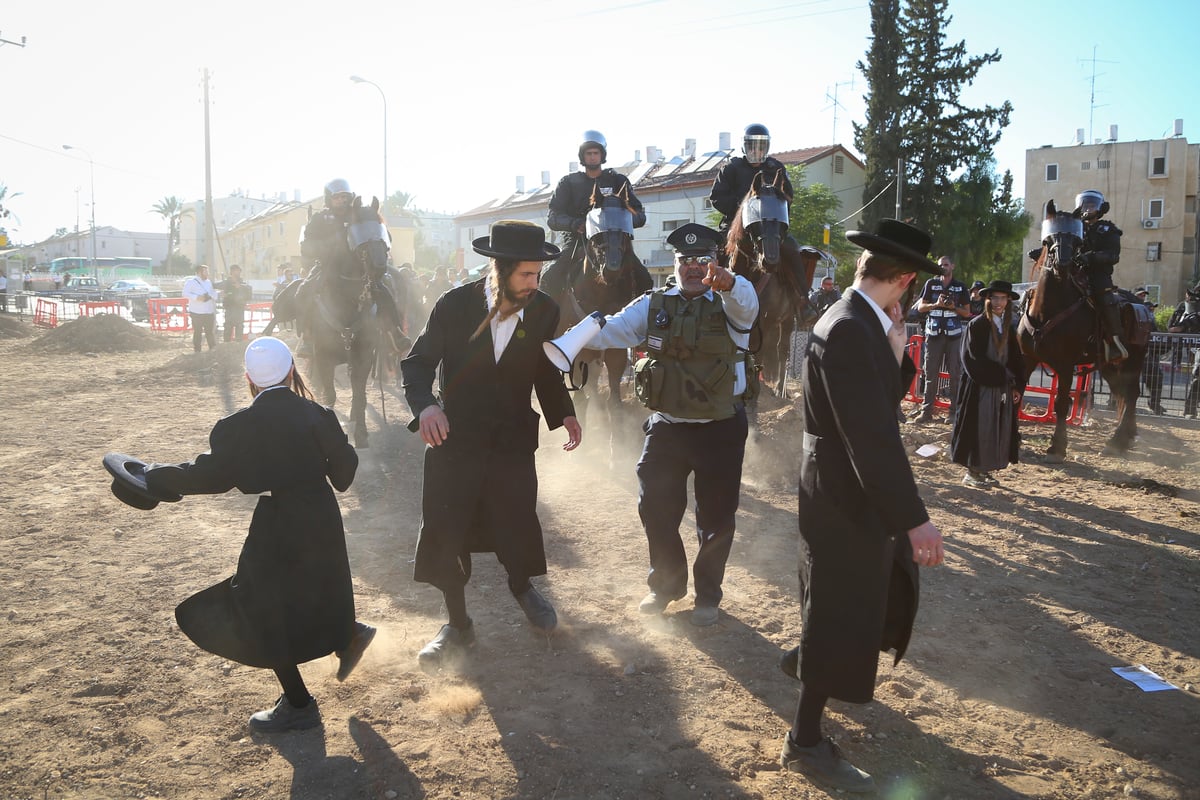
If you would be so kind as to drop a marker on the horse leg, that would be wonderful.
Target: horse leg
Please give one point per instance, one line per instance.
(1057, 453)
(360, 368)
(615, 362)
(1123, 382)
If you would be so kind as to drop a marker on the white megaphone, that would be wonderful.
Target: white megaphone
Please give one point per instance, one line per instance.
(563, 350)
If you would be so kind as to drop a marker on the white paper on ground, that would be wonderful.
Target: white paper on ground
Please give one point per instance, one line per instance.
(1143, 678)
(927, 450)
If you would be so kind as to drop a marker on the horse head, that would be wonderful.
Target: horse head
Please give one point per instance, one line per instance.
(368, 238)
(609, 231)
(1062, 235)
(763, 218)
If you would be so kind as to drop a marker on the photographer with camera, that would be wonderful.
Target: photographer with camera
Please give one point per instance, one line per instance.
(946, 304)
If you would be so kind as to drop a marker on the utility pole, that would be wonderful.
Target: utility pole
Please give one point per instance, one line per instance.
(835, 105)
(209, 221)
(899, 185)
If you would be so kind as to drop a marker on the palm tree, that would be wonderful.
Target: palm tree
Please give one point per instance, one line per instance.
(172, 210)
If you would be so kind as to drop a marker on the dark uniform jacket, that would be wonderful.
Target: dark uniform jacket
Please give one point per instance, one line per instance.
(480, 492)
(1101, 251)
(735, 179)
(572, 199)
(858, 499)
(290, 600)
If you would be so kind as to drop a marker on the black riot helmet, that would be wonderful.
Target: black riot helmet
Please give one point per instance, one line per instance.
(337, 186)
(594, 139)
(1090, 204)
(756, 143)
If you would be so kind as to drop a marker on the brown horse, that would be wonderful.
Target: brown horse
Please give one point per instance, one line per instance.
(756, 247)
(1060, 328)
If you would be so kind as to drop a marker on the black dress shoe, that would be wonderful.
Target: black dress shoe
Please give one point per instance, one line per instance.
(538, 609)
(825, 764)
(450, 644)
(789, 663)
(286, 717)
(348, 659)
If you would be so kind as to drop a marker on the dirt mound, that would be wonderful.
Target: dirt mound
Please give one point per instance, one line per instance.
(226, 359)
(13, 328)
(106, 333)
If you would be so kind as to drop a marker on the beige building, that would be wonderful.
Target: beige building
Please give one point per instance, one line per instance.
(270, 239)
(1151, 187)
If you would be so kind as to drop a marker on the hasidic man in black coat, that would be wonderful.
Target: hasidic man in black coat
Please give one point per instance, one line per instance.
(290, 600)
(863, 527)
(484, 342)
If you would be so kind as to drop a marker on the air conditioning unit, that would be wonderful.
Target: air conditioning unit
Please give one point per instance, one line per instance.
(1148, 224)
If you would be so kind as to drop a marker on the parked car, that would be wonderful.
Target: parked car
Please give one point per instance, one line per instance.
(135, 293)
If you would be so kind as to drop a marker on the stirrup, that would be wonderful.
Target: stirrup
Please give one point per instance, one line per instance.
(1114, 350)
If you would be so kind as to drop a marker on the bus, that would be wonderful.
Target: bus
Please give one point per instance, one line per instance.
(107, 269)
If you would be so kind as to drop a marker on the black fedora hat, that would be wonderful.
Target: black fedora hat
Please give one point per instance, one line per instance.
(129, 482)
(899, 240)
(999, 286)
(516, 239)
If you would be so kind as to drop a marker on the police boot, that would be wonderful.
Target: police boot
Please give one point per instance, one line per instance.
(1110, 324)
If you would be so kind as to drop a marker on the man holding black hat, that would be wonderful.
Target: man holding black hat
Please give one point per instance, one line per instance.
(480, 487)
(694, 379)
(863, 527)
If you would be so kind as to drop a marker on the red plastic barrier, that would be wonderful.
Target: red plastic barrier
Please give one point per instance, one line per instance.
(257, 317)
(91, 309)
(1081, 397)
(169, 314)
(1080, 393)
(45, 314)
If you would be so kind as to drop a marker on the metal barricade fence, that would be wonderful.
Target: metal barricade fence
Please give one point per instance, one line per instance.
(1175, 355)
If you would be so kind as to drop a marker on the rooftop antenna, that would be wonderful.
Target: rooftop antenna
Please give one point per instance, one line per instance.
(835, 105)
(1092, 102)
(4, 41)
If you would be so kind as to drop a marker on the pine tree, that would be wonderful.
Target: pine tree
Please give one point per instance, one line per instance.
(918, 115)
(878, 138)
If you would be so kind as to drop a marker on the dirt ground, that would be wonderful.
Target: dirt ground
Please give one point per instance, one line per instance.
(1051, 579)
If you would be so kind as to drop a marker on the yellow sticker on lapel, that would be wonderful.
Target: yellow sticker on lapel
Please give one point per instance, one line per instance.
(520, 333)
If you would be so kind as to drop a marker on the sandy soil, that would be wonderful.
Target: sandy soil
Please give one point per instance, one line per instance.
(1052, 579)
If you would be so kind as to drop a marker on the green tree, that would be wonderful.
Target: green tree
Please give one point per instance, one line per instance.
(813, 207)
(983, 225)
(399, 204)
(921, 117)
(173, 211)
(877, 138)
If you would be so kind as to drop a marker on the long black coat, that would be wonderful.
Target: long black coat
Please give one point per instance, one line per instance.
(858, 499)
(480, 492)
(980, 371)
(290, 600)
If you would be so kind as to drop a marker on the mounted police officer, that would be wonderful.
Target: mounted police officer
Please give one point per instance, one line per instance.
(569, 206)
(324, 245)
(735, 179)
(1100, 252)
(695, 382)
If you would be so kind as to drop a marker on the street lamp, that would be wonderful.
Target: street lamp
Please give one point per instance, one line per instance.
(357, 79)
(92, 177)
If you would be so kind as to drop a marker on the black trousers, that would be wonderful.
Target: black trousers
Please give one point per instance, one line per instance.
(235, 320)
(204, 325)
(713, 452)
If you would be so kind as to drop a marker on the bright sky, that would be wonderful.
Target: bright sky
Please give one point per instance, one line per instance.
(481, 92)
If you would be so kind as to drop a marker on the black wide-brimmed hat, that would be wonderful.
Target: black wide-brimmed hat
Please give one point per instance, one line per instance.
(999, 286)
(129, 482)
(899, 240)
(516, 239)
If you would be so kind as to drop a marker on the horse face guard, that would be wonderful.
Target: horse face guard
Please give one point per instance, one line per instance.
(765, 218)
(609, 229)
(368, 238)
(1062, 233)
